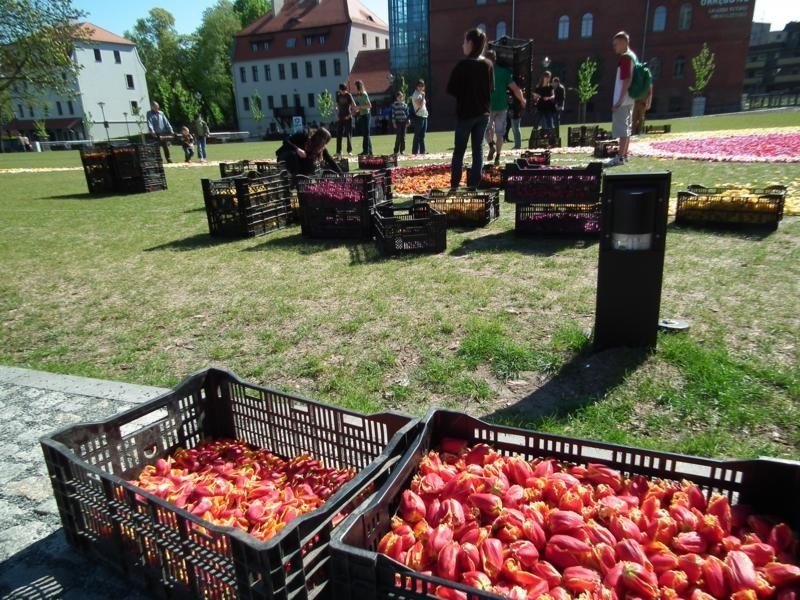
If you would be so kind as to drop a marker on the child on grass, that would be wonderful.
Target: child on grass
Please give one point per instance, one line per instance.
(187, 141)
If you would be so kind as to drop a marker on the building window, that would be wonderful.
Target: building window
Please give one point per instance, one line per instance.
(309, 40)
(322, 40)
(97, 56)
(311, 101)
(21, 111)
(297, 101)
(129, 81)
(364, 40)
(323, 69)
(281, 72)
(59, 110)
(685, 17)
(480, 2)
(563, 27)
(284, 101)
(246, 103)
(267, 73)
(70, 108)
(309, 69)
(255, 73)
(117, 57)
(337, 67)
(500, 30)
(377, 42)
(243, 74)
(134, 106)
(254, 47)
(270, 102)
(30, 111)
(266, 44)
(679, 68)
(655, 67)
(290, 43)
(294, 70)
(660, 18)
(587, 25)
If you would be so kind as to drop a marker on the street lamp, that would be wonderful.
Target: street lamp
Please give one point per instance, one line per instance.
(128, 129)
(102, 106)
(545, 62)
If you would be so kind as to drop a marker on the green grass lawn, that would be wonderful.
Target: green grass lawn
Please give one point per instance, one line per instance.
(133, 288)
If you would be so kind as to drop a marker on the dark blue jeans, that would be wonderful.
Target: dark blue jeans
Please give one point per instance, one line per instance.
(363, 124)
(474, 128)
(420, 128)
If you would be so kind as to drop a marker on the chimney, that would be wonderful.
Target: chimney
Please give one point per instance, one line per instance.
(277, 5)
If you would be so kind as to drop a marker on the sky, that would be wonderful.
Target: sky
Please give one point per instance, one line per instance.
(120, 16)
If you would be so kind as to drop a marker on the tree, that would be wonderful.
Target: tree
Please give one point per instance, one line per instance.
(37, 38)
(250, 10)
(587, 86)
(703, 66)
(325, 105)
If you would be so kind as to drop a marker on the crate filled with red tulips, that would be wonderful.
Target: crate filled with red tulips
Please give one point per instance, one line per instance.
(220, 488)
(481, 511)
(249, 205)
(368, 162)
(466, 208)
(491, 177)
(534, 158)
(409, 227)
(340, 206)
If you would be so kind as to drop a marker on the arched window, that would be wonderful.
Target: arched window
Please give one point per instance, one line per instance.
(655, 67)
(500, 31)
(587, 25)
(482, 27)
(563, 27)
(679, 68)
(685, 17)
(660, 18)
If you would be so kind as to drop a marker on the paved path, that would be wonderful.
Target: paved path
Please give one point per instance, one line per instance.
(35, 560)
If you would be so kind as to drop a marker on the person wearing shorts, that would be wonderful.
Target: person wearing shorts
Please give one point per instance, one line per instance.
(496, 131)
(622, 110)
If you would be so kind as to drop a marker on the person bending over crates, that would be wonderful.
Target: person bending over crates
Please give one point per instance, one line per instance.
(159, 128)
(304, 153)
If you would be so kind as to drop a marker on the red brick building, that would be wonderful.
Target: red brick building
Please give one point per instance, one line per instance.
(666, 33)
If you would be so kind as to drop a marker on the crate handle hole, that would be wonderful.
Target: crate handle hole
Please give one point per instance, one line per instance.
(151, 451)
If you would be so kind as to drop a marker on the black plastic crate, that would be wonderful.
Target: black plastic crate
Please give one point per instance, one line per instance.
(516, 55)
(409, 228)
(371, 163)
(97, 169)
(339, 206)
(548, 185)
(606, 148)
(563, 218)
(657, 129)
(731, 207)
(124, 169)
(466, 208)
(534, 158)
(248, 206)
(266, 167)
(768, 486)
(542, 139)
(400, 178)
(174, 553)
(232, 169)
(585, 135)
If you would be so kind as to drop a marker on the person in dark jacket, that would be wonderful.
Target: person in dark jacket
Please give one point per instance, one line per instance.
(304, 154)
(560, 93)
(471, 83)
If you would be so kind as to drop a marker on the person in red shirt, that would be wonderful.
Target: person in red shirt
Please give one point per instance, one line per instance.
(622, 111)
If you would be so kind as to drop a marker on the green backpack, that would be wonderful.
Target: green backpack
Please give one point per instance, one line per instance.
(641, 79)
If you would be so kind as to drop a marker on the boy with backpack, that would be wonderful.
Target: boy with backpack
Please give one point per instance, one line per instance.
(400, 120)
(633, 81)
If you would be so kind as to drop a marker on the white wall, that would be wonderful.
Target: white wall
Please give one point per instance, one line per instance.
(356, 42)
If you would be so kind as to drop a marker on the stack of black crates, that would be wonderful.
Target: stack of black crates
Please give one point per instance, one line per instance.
(123, 169)
(586, 136)
(516, 55)
(409, 228)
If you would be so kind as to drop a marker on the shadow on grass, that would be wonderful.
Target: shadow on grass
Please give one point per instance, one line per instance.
(194, 210)
(360, 252)
(81, 196)
(508, 241)
(737, 231)
(583, 380)
(193, 242)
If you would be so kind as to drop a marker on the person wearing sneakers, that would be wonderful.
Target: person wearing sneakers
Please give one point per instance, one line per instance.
(496, 131)
(622, 110)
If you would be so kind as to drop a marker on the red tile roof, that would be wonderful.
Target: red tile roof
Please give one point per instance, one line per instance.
(308, 14)
(98, 34)
(372, 67)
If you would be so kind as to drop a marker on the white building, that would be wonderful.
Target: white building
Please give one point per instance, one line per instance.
(110, 87)
(285, 59)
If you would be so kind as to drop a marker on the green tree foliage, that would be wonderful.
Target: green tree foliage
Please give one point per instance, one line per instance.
(250, 10)
(210, 63)
(703, 66)
(325, 105)
(37, 38)
(587, 87)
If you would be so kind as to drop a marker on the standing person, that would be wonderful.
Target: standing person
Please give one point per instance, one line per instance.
(187, 142)
(545, 98)
(420, 105)
(345, 105)
(622, 110)
(363, 116)
(159, 127)
(640, 107)
(471, 83)
(400, 120)
(201, 133)
(515, 113)
(503, 81)
(560, 94)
